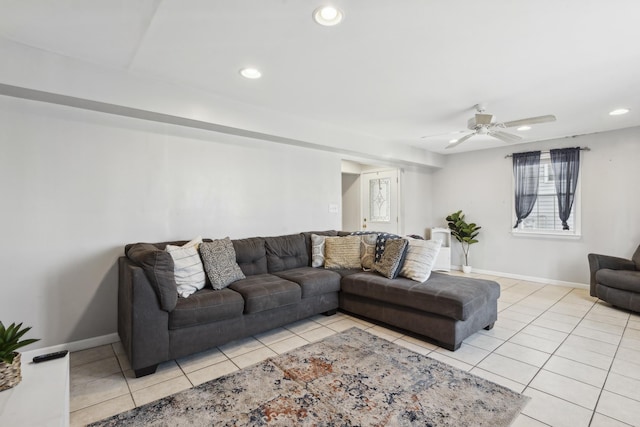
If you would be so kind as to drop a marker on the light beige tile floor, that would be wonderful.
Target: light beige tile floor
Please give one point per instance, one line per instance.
(576, 357)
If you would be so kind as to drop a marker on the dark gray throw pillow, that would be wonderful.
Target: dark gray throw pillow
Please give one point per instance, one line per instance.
(158, 267)
(219, 259)
(392, 258)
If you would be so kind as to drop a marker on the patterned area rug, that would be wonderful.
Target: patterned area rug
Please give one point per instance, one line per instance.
(352, 378)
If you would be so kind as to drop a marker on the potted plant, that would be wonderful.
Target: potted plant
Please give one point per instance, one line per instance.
(464, 233)
(10, 373)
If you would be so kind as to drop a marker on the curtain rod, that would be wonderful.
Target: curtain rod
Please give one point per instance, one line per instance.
(581, 149)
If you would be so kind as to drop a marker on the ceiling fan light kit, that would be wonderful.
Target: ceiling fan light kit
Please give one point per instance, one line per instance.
(327, 16)
(619, 112)
(250, 73)
(485, 124)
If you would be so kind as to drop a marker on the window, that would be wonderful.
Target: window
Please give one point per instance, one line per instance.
(544, 217)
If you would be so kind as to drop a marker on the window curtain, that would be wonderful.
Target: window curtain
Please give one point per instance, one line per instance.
(566, 164)
(526, 171)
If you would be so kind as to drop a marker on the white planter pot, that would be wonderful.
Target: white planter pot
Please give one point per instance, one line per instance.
(466, 269)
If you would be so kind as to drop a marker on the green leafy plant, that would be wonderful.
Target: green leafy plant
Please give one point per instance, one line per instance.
(463, 232)
(10, 341)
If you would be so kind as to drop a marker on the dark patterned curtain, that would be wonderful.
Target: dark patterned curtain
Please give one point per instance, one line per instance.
(566, 164)
(526, 170)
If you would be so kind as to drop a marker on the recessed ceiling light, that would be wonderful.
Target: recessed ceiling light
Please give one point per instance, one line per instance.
(453, 141)
(250, 73)
(327, 16)
(521, 128)
(619, 112)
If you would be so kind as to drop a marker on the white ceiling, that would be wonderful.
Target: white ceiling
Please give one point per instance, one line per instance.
(396, 70)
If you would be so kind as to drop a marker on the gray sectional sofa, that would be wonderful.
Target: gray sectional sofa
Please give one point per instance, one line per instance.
(281, 287)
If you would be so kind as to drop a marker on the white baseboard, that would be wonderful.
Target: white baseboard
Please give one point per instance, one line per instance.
(73, 346)
(527, 278)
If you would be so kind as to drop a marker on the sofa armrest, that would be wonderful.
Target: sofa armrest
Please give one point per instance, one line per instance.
(159, 268)
(598, 262)
(143, 326)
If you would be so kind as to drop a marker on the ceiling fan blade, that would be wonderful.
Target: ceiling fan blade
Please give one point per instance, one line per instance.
(530, 121)
(440, 134)
(483, 119)
(460, 141)
(504, 136)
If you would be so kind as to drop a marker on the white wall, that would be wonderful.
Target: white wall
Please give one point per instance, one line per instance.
(351, 202)
(417, 201)
(480, 183)
(78, 185)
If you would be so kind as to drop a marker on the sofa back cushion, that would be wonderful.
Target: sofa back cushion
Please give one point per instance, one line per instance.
(251, 255)
(636, 258)
(286, 252)
(158, 266)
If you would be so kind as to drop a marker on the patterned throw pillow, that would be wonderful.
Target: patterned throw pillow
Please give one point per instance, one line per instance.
(380, 242)
(421, 256)
(342, 252)
(219, 259)
(317, 250)
(188, 271)
(392, 258)
(368, 250)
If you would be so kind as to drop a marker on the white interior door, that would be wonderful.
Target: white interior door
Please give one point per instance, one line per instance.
(380, 201)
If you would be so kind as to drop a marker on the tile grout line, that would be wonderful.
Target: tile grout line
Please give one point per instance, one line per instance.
(602, 389)
(554, 353)
(528, 385)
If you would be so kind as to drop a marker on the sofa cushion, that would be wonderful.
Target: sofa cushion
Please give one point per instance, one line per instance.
(312, 281)
(392, 258)
(158, 267)
(265, 291)
(342, 252)
(421, 256)
(251, 255)
(636, 258)
(449, 296)
(286, 252)
(626, 280)
(206, 306)
(187, 267)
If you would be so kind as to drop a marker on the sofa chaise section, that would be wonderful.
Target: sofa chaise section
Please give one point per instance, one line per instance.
(446, 308)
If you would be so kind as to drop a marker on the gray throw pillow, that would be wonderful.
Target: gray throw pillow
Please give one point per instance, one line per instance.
(158, 267)
(392, 258)
(219, 259)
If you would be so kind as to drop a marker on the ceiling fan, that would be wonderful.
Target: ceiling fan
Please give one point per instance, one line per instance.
(484, 124)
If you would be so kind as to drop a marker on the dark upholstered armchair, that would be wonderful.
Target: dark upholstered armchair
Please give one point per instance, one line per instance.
(616, 280)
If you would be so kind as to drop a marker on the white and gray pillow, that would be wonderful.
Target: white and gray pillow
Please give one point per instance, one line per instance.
(188, 269)
(420, 259)
(317, 250)
(219, 258)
